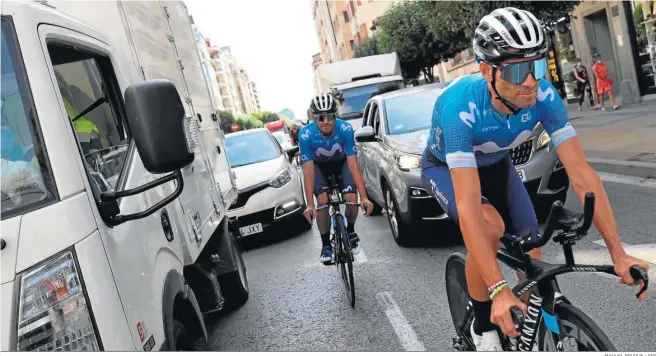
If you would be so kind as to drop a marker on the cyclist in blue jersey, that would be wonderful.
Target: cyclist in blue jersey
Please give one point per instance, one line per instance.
(327, 147)
(476, 120)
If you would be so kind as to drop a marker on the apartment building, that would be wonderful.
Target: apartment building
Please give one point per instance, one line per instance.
(342, 25)
(203, 46)
(248, 92)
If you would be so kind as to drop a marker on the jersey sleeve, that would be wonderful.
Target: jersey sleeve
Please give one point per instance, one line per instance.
(552, 114)
(305, 149)
(456, 122)
(349, 137)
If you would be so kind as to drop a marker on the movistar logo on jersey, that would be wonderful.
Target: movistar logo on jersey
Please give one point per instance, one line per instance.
(346, 127)
(334, 150)
(469, 118)
(542, 95)
(305, 135)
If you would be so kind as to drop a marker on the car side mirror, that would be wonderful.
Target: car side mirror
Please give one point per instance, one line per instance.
(165, 138)
(365, 134)
(291, 152)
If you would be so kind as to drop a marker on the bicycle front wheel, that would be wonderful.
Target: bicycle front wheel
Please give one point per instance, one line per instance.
(458, 295)
(579, 333)
(346, 260)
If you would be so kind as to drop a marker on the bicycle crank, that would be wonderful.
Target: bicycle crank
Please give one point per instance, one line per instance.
(458, 345)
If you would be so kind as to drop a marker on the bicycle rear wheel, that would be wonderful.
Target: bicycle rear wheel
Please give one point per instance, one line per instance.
(345, 259)
(581, 333)
(458, 296)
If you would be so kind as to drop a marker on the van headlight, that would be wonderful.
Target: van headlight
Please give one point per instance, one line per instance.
(407, 162)
(281, 178)
(53, 312)
(543, 141)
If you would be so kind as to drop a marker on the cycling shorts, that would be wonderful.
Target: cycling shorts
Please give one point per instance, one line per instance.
(323, 170)
(501, 187)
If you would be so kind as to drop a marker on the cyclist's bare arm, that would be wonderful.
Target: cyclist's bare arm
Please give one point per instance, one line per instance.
(352, 162)
(467, 190)
(585, 179)
(308, 178)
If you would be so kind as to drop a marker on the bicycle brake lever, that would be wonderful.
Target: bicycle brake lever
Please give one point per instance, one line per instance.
(639, 274)
(517, 317)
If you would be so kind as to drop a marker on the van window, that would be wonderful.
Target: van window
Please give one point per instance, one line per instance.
(27, 182)
(91, 97)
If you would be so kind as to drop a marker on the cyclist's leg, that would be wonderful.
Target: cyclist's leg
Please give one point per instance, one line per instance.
(349, 191)
(438, 178)
(521, 212)
(323, 217)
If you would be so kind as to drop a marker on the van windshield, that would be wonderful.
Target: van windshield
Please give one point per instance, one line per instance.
(26, 179)
(354, 99)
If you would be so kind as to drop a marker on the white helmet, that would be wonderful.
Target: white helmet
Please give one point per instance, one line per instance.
(323, 103)
(509, 33)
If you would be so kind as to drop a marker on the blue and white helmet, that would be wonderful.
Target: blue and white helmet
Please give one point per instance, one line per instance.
(509, 33)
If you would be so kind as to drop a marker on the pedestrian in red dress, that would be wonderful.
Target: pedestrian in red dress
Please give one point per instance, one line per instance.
(604, 83)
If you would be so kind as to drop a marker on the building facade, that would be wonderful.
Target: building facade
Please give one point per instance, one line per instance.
(203, 46)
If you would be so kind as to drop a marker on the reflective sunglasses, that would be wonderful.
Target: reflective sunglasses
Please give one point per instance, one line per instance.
(322, 117)
(517, 72)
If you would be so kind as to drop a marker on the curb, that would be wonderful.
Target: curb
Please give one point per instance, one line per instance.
(631, 168)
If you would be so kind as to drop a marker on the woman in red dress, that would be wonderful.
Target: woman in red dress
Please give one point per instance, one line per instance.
(604, 83)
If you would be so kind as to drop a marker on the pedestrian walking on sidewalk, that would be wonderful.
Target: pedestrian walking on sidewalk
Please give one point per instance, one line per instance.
(583, 84)
(604, 82)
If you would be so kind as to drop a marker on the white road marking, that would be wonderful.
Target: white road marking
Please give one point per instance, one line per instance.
(623, 179)
(402, 328)
(645, 252)
(360, 258)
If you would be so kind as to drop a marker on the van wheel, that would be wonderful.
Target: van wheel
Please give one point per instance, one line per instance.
(185, 342)
(234, 285)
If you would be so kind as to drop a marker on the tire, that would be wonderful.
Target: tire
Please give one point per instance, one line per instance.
(573, 318)
(457, 294)
(346, 261)
(234, 285)
(184, 342)
(400, 230)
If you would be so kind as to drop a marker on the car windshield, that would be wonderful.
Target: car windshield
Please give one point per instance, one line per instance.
(354, 100)
(280, 137)
(249, 148)
(411, 112)
(26, 180)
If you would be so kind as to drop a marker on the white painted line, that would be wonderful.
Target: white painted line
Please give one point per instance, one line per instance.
(360, 258)
(645, 252)
(623, 179)
(402, 328)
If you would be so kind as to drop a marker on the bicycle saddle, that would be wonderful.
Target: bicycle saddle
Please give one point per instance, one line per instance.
(568, 219)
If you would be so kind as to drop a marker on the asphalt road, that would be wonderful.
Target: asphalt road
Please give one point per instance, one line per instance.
(297, 304)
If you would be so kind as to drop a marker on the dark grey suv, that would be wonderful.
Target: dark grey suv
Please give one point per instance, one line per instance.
(393, 137)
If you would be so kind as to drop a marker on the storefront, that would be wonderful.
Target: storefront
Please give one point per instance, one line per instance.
(561, 59)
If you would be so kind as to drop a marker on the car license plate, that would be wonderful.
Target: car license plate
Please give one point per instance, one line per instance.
(251, 229)
(521, 174)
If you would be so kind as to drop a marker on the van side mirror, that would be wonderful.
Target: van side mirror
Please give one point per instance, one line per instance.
(365, 134)
(165, 139)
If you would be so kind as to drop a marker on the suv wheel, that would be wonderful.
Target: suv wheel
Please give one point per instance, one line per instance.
(400, 230)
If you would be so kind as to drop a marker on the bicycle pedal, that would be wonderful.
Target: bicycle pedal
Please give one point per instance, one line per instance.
(458, 345)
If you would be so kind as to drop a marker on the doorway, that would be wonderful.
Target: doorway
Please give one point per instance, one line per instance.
(597, 31)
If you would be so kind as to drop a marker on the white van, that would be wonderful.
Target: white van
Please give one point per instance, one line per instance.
(114, 192)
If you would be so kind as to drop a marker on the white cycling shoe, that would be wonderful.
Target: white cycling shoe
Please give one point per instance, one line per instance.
(489, 341)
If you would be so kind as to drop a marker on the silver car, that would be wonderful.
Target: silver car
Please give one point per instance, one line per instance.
(270, 191)
(390, 144)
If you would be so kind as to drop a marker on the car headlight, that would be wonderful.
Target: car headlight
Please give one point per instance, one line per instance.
(543, 141)
(281, 178)
(406, 162)
(53, 313)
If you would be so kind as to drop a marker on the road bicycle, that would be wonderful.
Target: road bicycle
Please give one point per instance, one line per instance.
(560, 325)
(342, 255)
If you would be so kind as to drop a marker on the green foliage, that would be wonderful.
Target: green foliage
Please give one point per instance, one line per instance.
(247, 122)
(265, 116)
(369, 47)
(640, 27)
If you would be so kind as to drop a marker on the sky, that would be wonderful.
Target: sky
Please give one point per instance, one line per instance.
(274, 40)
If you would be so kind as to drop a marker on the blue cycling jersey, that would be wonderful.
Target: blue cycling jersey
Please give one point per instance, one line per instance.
(315, 146)
(467, 132)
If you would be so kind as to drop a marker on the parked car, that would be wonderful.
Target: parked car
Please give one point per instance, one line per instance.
(283, 139)
(393, 137)
(270, 190)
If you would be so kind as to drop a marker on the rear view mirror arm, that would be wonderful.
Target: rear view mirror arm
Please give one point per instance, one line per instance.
(119, 219)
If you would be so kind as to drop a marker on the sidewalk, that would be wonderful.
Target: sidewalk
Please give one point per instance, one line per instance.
(621, 141)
